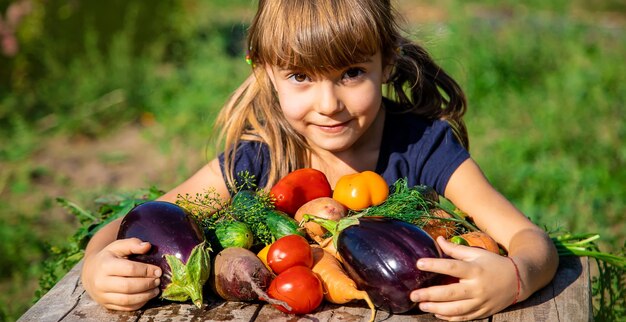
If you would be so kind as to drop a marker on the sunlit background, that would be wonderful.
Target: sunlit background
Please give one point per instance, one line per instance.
(101, 97)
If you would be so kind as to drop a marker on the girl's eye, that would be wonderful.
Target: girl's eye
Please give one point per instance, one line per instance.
(299, 77)
(353, 73)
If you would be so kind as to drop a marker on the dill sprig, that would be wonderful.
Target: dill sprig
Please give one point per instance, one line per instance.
(403, 203)
(248, 205)
(419, 205)
(251, 207)
(202, 205)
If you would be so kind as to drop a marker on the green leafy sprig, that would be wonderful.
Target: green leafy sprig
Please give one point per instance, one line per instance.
(210, 209)
(417, 205)
(584, 244)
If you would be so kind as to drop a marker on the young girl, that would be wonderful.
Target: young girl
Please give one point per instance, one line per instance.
(315, 99)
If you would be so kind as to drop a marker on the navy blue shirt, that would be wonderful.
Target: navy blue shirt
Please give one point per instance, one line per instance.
(425, 152)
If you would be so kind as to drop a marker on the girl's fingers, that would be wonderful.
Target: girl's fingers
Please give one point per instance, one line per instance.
(128, 302)
(452, 311)
(461, 265)
(445, 266)
(453, 292)
(460, 252)
(124, 285)
(125, 247)
(127, 268)
(115, 307)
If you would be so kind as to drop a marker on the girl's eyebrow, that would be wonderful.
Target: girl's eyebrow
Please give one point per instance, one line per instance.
(291, 68)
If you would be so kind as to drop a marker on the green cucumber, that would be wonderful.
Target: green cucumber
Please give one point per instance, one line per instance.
(244, 200)
(234, 234)
(280, 224)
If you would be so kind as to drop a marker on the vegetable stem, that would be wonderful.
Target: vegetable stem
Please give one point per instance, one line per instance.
(568, 245)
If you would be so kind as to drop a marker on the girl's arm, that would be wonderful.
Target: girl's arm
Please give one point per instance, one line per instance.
(488, 282)
(208, 176)
(530, 246)
(120, 284)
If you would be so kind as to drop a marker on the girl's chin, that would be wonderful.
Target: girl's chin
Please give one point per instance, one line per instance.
(330, 145)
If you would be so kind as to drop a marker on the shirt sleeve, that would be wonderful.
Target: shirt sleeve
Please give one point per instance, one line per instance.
(252, 157)
(424, 152)
(444, 154)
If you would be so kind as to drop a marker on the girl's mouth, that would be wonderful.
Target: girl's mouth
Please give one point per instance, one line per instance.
(333, 128)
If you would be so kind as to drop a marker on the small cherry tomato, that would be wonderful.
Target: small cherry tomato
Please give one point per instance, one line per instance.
(289, 251)
(299, 287)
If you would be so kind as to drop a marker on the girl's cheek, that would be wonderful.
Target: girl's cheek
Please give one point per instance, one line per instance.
(295, 107)
(293, 113)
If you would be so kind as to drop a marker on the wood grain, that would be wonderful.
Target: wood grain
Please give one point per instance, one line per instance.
(566, 298)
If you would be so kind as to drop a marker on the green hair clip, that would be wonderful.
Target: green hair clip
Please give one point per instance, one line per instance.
(248, 58)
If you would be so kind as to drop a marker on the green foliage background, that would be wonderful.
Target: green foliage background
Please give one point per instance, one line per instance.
(545, 81)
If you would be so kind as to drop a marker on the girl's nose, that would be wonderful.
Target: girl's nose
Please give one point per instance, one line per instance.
(328, 102)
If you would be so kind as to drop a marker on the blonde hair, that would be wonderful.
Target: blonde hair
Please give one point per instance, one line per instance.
(317, 35)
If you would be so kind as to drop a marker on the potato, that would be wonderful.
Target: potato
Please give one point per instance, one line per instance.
(436, 227)
(323, 207)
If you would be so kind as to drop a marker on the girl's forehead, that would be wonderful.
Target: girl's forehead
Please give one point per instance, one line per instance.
(317, 36)
(330, 67)
(321, 59)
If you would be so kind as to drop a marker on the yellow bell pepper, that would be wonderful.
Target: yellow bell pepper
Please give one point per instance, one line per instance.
(361, 190)
(262, 255)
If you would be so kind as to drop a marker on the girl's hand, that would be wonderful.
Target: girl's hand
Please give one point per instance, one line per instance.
(487, 283)
(118, 283)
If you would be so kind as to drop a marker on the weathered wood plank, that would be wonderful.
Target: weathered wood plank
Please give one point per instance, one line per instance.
(66, 302)
(348, 312)
(88, 310)
(566, 298)
(327, 312)
(59, 301)
(573, 290)
(182, 312)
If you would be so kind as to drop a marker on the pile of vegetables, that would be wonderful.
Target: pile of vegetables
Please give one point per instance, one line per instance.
(302, 243)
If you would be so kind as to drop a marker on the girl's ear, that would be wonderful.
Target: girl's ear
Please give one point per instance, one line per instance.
(388, 65)
(387, 73)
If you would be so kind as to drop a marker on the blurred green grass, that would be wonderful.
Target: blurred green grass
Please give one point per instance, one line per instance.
(545, 82)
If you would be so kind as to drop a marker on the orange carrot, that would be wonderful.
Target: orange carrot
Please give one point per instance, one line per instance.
(482, 240)
(339, 288)
(328, 245)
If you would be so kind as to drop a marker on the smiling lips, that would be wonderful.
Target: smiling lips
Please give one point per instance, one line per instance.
(334, 128)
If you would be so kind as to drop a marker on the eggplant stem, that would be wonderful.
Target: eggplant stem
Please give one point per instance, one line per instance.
(458, 217)
(328, 224)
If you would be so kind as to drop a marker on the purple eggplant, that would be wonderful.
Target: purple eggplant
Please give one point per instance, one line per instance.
(178, 247)
(380, 254)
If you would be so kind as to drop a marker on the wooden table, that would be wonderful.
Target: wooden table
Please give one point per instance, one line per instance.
(567, 298)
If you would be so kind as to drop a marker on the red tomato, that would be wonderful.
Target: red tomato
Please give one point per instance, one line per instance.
(289, 251)
(299, 287)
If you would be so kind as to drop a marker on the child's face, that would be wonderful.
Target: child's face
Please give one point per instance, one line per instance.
(332, 110)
